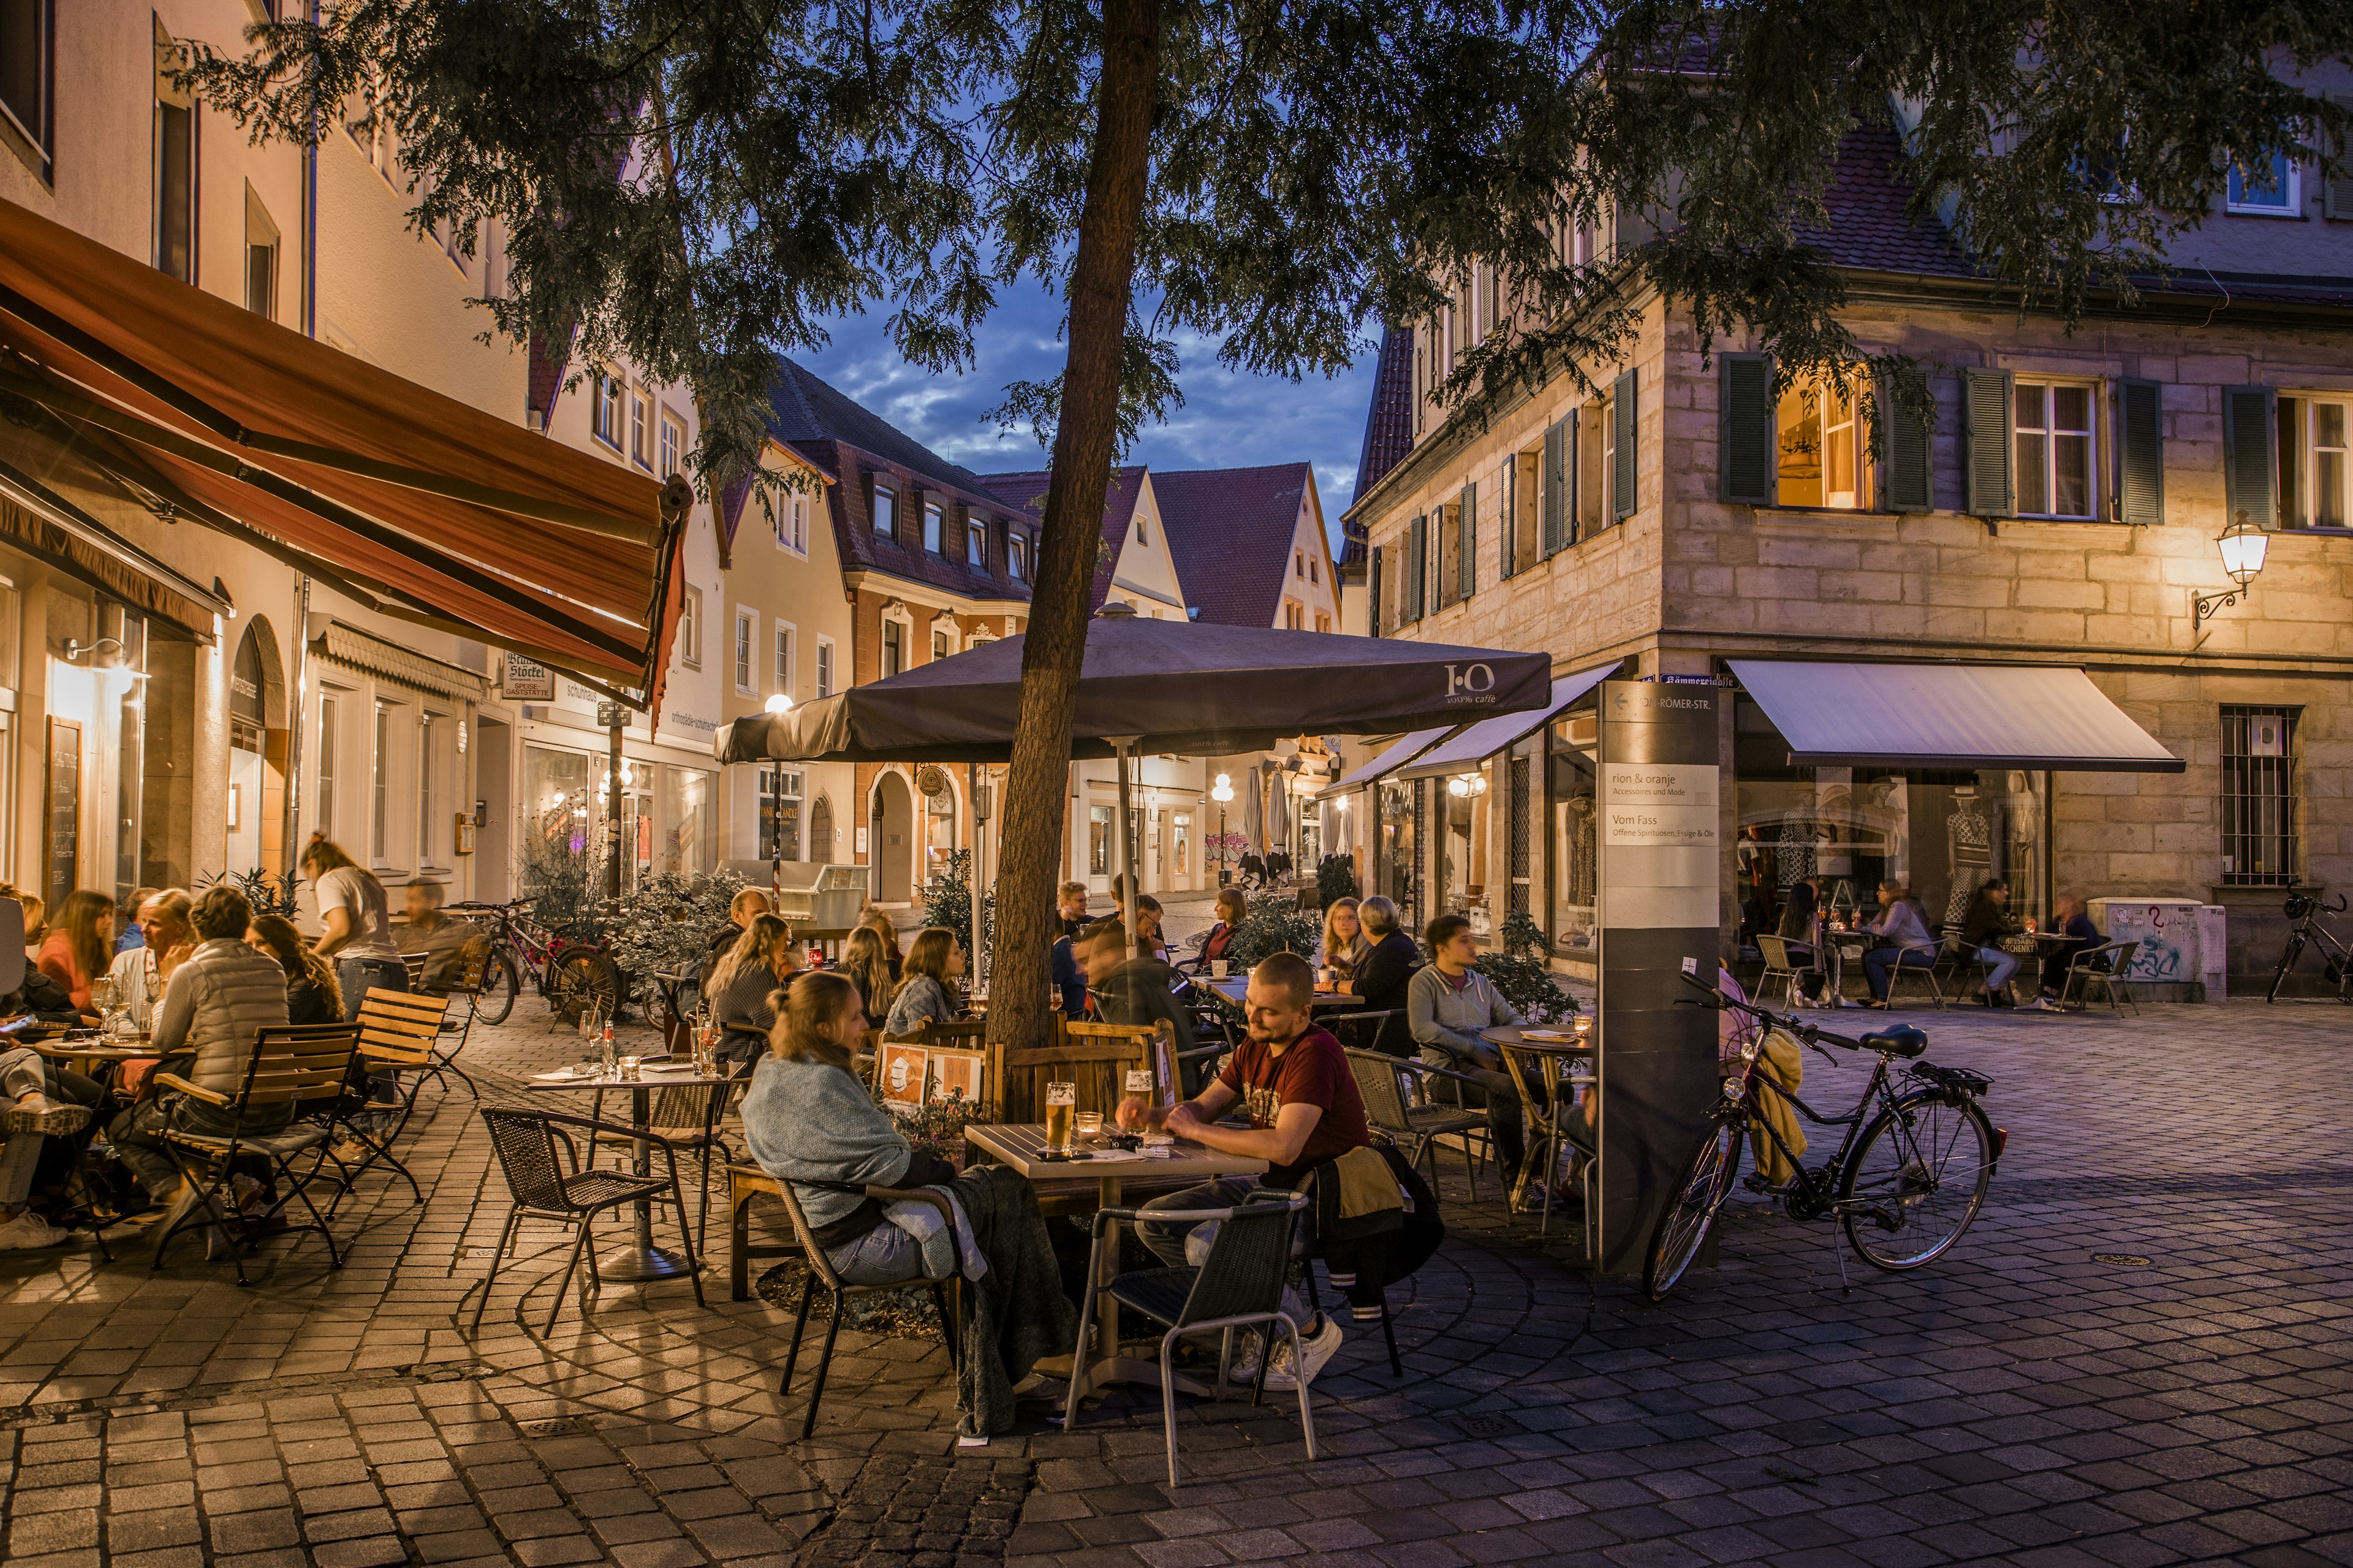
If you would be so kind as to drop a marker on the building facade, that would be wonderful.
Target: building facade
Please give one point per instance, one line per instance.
(1680, 516)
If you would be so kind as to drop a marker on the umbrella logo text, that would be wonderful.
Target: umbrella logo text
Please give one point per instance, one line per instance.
(1468, 682)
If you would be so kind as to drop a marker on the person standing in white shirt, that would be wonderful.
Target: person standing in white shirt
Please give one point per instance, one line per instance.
(357, 915)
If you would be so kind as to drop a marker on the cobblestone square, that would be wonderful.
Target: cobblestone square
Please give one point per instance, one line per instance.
(2019, 1401)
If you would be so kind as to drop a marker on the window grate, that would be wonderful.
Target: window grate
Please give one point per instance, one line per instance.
(2258, 796)
(1518, 774)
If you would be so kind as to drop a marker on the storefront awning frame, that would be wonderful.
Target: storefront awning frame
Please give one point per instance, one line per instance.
(1852, 713)
(1391, 758)
(1469, 747)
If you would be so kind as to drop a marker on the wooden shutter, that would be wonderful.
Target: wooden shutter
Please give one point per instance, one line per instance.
(2250, 462)
(1508, 498)
(1743, 430)
(1559, 443)
(1416, 600)
(1906, 447)
(2337, 195)
(1623, 407)
(2140, 451)
(1990, 487)
(1373, 592)
(1466, 554)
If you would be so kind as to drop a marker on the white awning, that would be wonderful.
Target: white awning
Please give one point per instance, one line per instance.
(1396, 756)
(351, 647)
(1949, 716)
(1475, 743)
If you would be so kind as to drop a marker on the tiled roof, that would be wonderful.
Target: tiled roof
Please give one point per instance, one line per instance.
(1028, 492)
(1388, 428)
(818, 421)
(1869, 230)
(1231, 531)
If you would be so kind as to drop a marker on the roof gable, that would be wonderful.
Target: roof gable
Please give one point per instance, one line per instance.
(1233, 532)
(1026, 492)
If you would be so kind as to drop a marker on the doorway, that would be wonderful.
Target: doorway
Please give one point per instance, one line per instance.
(894, 831)
(821, 831)
(493, 810)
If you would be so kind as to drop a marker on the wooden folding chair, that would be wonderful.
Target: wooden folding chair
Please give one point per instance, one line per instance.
(291, 1066)
(398, 1033)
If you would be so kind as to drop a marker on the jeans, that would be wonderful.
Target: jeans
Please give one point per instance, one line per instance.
(1881, 962)
(883, 1256)
(1999, 967)
(138, 1133)
(1187, 1245)
(357, 975)
(1502, 1098)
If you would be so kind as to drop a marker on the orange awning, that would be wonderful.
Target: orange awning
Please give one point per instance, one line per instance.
(453, 515)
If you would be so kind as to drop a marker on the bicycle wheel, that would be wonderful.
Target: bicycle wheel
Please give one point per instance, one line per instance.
(1915, 1181)
(658, 1008)
(2294, 951)
(501, 982)
(1707, 1182)
(585, 981)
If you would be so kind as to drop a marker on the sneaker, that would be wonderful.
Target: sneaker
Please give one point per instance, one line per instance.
(1319, 1348)
(174, 1212)
(39, 1113)
(1533, 1200)
(1245, 1353)
(29, 1229)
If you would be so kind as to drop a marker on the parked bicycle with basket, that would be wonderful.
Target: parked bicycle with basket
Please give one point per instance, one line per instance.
(1909, 1172)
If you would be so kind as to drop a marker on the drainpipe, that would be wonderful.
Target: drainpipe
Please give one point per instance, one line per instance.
(290, 857)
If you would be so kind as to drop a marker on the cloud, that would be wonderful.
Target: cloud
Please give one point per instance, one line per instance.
(1228, 420)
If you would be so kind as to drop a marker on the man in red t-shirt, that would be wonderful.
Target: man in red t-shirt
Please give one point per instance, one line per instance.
(1292, 1081)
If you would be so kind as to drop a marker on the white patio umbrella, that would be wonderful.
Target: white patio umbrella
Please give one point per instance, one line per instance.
(1254, 819)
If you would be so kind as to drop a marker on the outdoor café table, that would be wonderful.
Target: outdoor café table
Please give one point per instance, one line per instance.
(638, 1259)
(85, 1054)
(1233, 987)
(1559, 1049)
(1021, 1147)
(1842, 945)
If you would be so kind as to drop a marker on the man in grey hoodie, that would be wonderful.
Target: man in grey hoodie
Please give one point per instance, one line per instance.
(1446, 1002)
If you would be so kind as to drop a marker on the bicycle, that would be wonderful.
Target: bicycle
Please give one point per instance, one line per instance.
(1903, 1184)
(573, 975)
(2305, 911)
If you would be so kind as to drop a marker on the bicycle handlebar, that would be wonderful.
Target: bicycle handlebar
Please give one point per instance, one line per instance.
(1811, 1034)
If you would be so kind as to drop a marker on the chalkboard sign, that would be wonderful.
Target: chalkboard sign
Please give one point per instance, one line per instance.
(61, 819)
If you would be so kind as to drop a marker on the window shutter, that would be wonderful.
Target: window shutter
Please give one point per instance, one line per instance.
(1373, 592)
(1416, 581)
(2249, 419)
(2337, 195)
(2140, 451)
(1558, 440)
(1991, 488)
(1907, 445)
(1466, 573)
(1623, 410)
(1508, 497)
(1744, 429)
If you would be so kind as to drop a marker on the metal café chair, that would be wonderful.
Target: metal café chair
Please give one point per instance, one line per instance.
(2109, 976)
(946, 1288)
(1777, 969)
(1239, 1285)
(1551, 1110)
(1397, 1100)
(542, 1188)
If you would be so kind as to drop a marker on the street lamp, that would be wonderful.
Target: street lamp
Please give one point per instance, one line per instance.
(1222, 792)
(2242, 545)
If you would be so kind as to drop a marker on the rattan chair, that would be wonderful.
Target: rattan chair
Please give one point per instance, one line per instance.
(1397, 1100)
(688, 1118)
(291, 1066)
(945, 1287)
(1238, 1286)
(1551, 1111)
(542, 1188)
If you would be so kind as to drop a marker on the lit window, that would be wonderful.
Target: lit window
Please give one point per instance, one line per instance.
(744, 622)
(2273, 188)
(2053, 426)
(2315, 458)
(1821, 455)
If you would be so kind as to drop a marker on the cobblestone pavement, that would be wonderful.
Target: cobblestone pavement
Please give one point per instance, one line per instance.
(2018, 1401)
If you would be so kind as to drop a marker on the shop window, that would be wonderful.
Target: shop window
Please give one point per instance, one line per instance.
(27, 77)
(2053, 427)
(1099, 841)
(780, 813)
(1820, 452)
(174, 164)
(688, 849)
(2258, 800)
(555, 796)
(2315, 462)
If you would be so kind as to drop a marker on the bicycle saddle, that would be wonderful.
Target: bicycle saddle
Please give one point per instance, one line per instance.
(1896, 1040)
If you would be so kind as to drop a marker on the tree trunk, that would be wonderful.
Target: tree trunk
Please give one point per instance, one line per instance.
(1102, 284)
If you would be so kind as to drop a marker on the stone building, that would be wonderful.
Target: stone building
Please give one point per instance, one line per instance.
(1675, 516)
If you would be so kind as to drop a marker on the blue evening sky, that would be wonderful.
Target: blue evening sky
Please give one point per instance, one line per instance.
(1227, 420)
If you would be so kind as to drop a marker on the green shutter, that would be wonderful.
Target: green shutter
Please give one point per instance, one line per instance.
(1907, 445)
(2337, 195)
(1990, 487)
(2140, 451)
(1743, 430)
(1623, 408)
(2250, 463)
(1417, 601)
(1559, 440)
(1466, 555)
(1508, 498)
(1373, 592)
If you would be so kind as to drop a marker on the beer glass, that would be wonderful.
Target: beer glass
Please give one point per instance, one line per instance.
(1061, 1104)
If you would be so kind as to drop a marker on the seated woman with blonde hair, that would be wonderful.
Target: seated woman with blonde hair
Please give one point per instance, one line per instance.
(742, 988)
(808, 1119)
(927, 984)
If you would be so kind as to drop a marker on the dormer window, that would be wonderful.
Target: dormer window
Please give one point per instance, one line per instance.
(1017, 556)
(886, 511)
(934, 530)
(976, 545)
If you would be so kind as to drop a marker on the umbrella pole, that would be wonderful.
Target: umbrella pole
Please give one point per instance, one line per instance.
(972, 871)
(1126, 856)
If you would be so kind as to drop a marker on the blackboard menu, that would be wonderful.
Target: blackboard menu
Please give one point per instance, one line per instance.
(61, 817)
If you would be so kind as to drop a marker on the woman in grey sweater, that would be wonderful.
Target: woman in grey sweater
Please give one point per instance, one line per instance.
(1446, 1002)
(926, 989)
